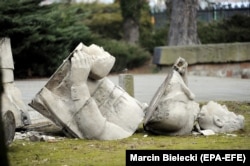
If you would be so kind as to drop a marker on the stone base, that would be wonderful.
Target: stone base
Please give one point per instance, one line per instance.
(234, 70)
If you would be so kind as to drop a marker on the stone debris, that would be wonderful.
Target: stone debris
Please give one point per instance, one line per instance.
(35, 136)
(207, 132)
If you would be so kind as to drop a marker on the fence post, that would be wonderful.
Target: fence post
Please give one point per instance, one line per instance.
(126, 81)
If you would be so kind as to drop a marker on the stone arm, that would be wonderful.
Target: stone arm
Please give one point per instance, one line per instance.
(87, 115)
(80, 69)
(178, 80)
(187, 91)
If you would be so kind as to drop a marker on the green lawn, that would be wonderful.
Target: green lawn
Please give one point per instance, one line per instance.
(67, 152)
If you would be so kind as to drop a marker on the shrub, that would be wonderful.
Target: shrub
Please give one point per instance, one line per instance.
(127, 55)
(210, 32)
(149, 39)
(42, 36)
(235, 29)
(105, 20)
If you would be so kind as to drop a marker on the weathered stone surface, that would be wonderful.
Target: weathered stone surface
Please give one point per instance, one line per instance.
(6, 61)
(208, 53)
(7, 75)
(102, 61)
(235, 70)
(172, 110)
(12, 97)
(218, 118)
(12, 101)
(6, 54)
(87, 107)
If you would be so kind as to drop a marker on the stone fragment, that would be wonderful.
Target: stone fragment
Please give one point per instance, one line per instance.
(173, 110)
(84, 102)
(14, 112)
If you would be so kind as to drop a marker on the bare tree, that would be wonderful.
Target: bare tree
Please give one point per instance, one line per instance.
(183, 25)
(131, 12)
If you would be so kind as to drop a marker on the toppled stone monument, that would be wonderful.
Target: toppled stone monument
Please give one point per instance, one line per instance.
(218, 118)
(81, 100)
(173, 111)
(14, 112)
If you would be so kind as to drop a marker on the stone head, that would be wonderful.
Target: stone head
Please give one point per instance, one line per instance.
(180, 66)
(217, 118)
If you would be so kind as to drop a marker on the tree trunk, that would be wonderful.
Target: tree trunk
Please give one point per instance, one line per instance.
(131, 13)
(183, 25)
(131, 31)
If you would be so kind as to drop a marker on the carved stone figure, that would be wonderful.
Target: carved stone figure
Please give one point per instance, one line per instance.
(218, 118)
(173, 110)
(14, 112)
(84, 102)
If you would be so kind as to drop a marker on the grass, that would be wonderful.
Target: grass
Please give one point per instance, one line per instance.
(68, 152)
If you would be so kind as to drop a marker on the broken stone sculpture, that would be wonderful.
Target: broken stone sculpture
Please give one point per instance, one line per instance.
(218, 118)
(14, 111)
(173, 111)
(84, 102)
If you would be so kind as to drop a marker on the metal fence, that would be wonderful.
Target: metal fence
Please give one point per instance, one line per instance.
(161, 18)
(219, 14)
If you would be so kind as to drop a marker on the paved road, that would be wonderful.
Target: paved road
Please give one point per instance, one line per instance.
(145, 85)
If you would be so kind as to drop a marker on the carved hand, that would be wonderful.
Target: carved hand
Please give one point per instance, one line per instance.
(80, 68)
(191, 96)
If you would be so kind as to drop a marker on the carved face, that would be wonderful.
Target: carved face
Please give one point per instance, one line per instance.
(217, 118)
(180, 66)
